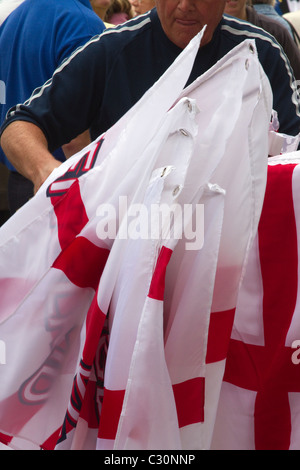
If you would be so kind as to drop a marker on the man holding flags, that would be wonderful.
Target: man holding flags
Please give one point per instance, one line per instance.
(108, 75)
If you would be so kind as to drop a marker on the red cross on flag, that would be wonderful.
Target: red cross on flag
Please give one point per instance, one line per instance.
(262, 382)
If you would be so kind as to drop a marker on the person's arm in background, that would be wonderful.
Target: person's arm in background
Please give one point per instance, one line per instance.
(26, 147)
(60, 111)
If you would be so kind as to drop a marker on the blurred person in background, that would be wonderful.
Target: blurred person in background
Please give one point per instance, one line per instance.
(35, 38)
(6, 7)
(267, 8)
(141, 6)
(286, 6)
(293, 18)
(118, 12)
(112, 12)
(100, 7)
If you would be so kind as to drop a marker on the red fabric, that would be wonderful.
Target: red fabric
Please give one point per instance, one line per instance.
(189, 399)
(71, 215)
(111, 410)
(67, 202)
(5, 439)
(88, 412)
(157, 287)
(50, 443)
(82, 262)
(94, 328)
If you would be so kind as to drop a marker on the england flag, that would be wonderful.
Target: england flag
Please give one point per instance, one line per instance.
(260, 399)
(119, 280)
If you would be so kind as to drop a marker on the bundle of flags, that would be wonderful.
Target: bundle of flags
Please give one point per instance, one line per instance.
(120, 279)
(261, 388)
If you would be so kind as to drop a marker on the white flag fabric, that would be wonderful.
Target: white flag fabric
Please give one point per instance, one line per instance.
(261, 388)
(116, 311)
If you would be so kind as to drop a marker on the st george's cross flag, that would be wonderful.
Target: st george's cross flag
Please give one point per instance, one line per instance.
(115, 335)
(261, 386)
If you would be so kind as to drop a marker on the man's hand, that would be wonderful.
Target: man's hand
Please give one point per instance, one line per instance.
(77, 144)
